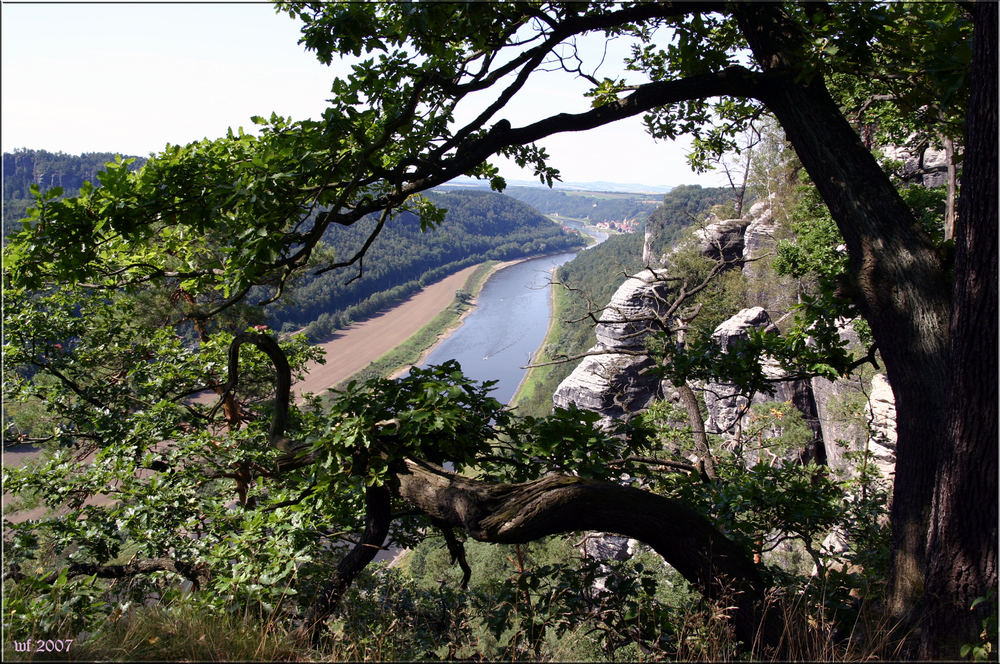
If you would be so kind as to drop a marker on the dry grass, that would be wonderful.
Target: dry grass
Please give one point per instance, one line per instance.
(186, 634)
(704, 634)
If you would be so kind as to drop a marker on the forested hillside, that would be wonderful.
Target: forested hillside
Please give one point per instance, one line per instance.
(724, 480)
(589, 280)
(478, 226)
(683, 206)
(23, 168)
(591, 206)
(593, 277)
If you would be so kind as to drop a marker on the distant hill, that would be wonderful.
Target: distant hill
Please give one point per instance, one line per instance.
(479, 226)
(23, 168)
(682, 207)
(591, 206)
(597, 186)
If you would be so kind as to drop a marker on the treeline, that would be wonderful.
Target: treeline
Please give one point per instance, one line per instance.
(23, 168)
(683, 206)
(586, 205)
(478, 226)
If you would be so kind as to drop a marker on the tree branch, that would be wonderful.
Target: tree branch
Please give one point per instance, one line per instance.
(378, 518)
(518, 513)
(134, 568)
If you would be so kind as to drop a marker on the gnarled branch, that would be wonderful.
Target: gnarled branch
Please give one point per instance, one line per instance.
(517, 513)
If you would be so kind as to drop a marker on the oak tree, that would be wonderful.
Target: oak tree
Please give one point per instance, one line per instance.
(218, 220)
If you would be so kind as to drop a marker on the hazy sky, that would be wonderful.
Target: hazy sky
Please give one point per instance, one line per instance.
(132, 77)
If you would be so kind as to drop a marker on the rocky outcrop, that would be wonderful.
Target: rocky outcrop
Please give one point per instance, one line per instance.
(728, 408)
(759, 236)
(613, 384)
(722, 238)
(715, 238)
(650, 256)
(614, 379)
(633, 311)
(927, 167)
(776, 293)
(881, 411)
(609, 384)
(842, 432)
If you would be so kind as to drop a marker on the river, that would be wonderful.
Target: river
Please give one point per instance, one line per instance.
(508, 324)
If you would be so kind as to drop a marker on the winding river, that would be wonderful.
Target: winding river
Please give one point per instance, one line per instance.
(508, 325)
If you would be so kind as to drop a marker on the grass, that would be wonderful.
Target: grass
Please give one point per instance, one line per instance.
(181, 632)
(393, 617)
(534, 394)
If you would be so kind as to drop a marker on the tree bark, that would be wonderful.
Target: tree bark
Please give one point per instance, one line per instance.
(378, 517)
(901, 287)
(518, 513)
(962, 548)
(697, 422)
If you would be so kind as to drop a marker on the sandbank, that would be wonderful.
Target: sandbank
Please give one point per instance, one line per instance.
(354, 348)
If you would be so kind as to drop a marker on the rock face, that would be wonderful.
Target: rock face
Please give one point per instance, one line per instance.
(649, 255)
(840, 432)
(609, 384)
(717, 237)
(632, 311)
(722, 238)
(928, 167)
(614, 384)
(777, 294)
(882, 411)
(728, 410)
(614, 380)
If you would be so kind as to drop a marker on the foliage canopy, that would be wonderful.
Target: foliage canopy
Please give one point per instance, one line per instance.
(111, 377)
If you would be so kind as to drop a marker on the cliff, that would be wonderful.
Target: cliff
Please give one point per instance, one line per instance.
(849, 414)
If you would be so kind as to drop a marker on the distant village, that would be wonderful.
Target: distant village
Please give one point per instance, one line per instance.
(624, 226)
(627, 225)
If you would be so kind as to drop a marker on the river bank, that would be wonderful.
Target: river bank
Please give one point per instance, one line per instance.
(506, 328)
(533, 395)
(526, 389)
(388, 344)
(475, 288)
(356, 348)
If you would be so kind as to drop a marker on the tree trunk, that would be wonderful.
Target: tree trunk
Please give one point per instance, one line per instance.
(962, 548)
(518, 513)
(901, 288)
(697, 422)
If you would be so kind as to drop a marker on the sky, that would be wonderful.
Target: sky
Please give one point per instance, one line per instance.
(130, 78)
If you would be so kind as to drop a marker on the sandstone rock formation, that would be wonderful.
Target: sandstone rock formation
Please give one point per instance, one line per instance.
(777, 294)
(614, 384)
(728, 408)
(615, 378)
(881, 410)
(927, 167)
(722, 238)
